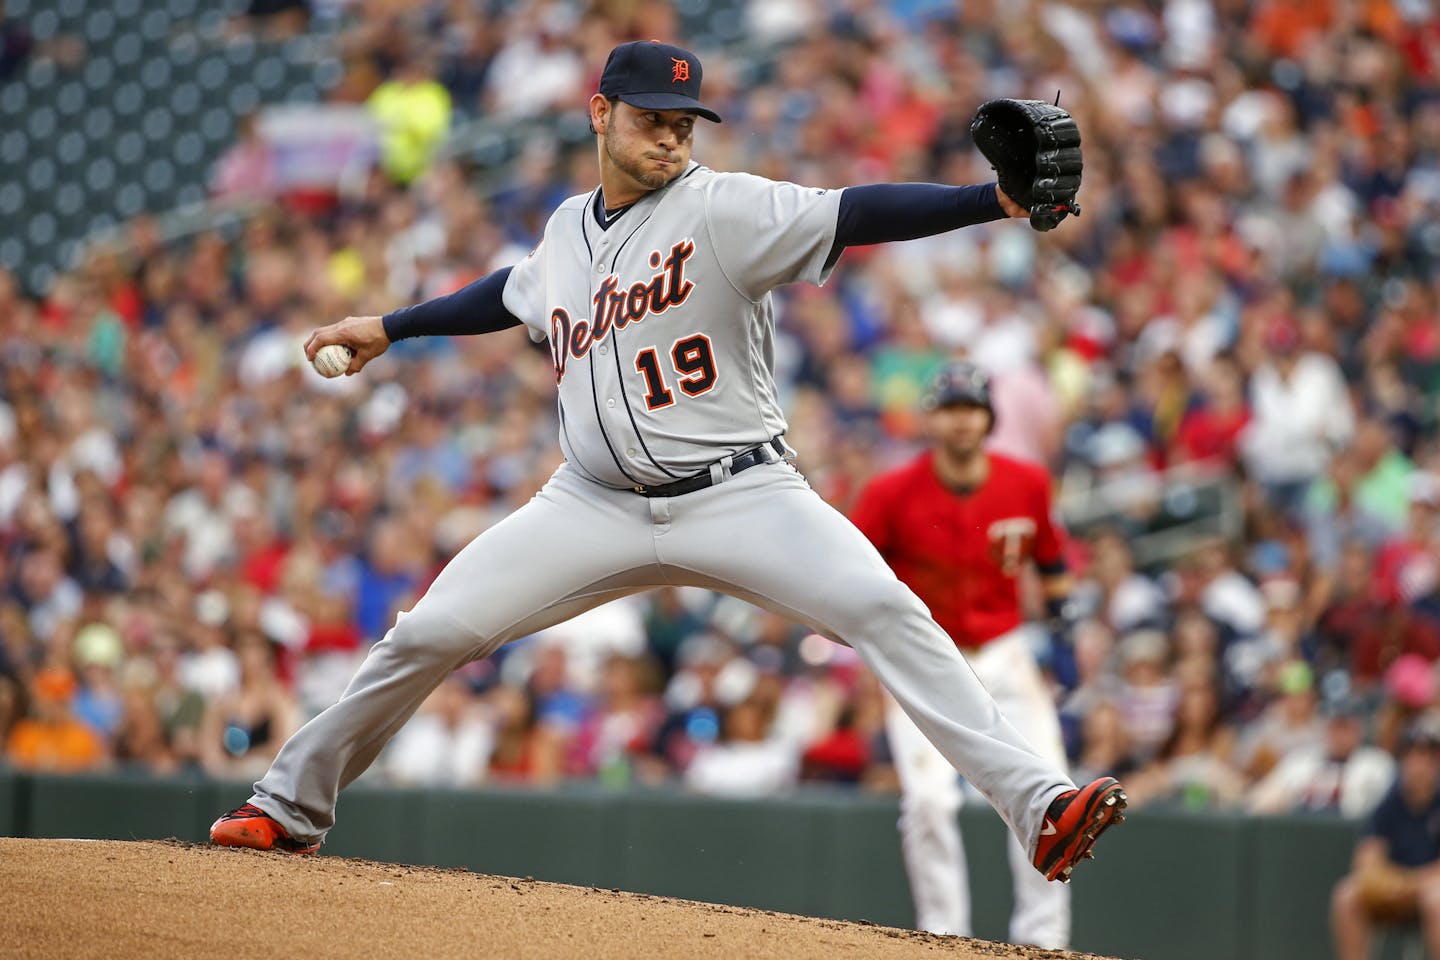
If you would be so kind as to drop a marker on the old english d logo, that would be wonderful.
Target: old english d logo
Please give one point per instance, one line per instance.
(682, 70)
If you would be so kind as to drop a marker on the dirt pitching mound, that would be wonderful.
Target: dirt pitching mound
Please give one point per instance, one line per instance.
(68, 898)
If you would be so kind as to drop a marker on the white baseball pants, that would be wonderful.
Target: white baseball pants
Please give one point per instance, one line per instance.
(762, 535)
(931, 798)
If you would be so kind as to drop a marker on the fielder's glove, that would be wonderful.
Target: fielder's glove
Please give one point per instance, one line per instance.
(1034, 146)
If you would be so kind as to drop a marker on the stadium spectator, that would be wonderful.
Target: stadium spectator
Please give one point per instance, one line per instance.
(1392, 878)
(1193, 766)
(669, 620)
(1336, 516)
(1409, 694)
(414, 113)
(525, 750)
(746, 760)
(1106, 750)
(209, 665)
(1301, 414)
(1209, 430)
(841, 755)
(1289, 724)
(448, 743)
(1407, 566)
(51, 739)
(621, 724)
(585, 644)
(98, 703)
(1148, 695)
(1114, 592)
(1355, 627)
(1382, 475)
(1097, 682)
(1027, 414)
(50, 598)
(536, 71)
(203, 516)
(1341, 774)
(102, 559)
(1225, 594)
(140, 741)
(388, 577)
(243, 728)
(246, 170)
(179, 709)
(696, 697)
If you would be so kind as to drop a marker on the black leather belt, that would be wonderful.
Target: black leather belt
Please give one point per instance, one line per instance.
(743, 461)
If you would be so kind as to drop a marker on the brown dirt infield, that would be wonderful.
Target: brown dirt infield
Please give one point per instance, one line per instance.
(121, 899)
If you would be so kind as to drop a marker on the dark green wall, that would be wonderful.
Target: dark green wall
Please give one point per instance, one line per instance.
(1165, 886)
(11, 817)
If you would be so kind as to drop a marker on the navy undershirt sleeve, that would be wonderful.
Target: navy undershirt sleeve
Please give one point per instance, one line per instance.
(885, 212)
(477, 307)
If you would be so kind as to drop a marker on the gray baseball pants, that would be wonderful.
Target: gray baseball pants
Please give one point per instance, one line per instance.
(762, 535)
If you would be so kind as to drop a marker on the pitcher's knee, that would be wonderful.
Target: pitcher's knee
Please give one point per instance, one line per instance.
(419, 635)
(876, 608)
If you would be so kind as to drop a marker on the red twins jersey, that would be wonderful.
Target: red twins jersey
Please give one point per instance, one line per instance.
(962, 553)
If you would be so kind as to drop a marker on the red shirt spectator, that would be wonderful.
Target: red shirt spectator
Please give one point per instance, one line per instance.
(1210, 434)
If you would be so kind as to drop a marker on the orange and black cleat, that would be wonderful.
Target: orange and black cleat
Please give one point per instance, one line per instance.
(249, 826)
(1073, 822)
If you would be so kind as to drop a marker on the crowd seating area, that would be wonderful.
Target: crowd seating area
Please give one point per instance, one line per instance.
(1230, 361)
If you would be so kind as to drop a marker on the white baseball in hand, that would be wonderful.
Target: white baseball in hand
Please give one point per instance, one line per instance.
(333, 359)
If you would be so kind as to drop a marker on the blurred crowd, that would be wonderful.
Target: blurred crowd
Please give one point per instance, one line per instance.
(201, 537)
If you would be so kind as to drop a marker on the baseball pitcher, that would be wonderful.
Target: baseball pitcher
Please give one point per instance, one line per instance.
(653, 293)
(960, 525)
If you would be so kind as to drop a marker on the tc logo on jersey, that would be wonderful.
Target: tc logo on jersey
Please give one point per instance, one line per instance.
(682, 70)
(1010, 543)
(616, 307)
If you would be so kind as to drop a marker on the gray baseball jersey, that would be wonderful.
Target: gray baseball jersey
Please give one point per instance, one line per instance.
(664, 347)
(662, 334)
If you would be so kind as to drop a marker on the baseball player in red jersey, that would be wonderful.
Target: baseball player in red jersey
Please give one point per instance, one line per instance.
(958, 525)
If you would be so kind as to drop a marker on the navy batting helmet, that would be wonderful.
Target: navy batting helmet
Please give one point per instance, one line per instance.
(960, 383)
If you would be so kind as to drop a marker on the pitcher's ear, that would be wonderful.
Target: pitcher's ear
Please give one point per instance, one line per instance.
(609, 103)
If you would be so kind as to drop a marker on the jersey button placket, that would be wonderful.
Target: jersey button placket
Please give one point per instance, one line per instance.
(610, 402)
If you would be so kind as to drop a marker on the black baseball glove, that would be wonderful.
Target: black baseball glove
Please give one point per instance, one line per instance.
(1034, 146)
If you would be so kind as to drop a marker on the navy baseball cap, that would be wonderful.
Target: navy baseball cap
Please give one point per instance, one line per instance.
(958, 384)
(655, 76)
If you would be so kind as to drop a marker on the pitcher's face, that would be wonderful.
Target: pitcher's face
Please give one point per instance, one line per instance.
(650, 147)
